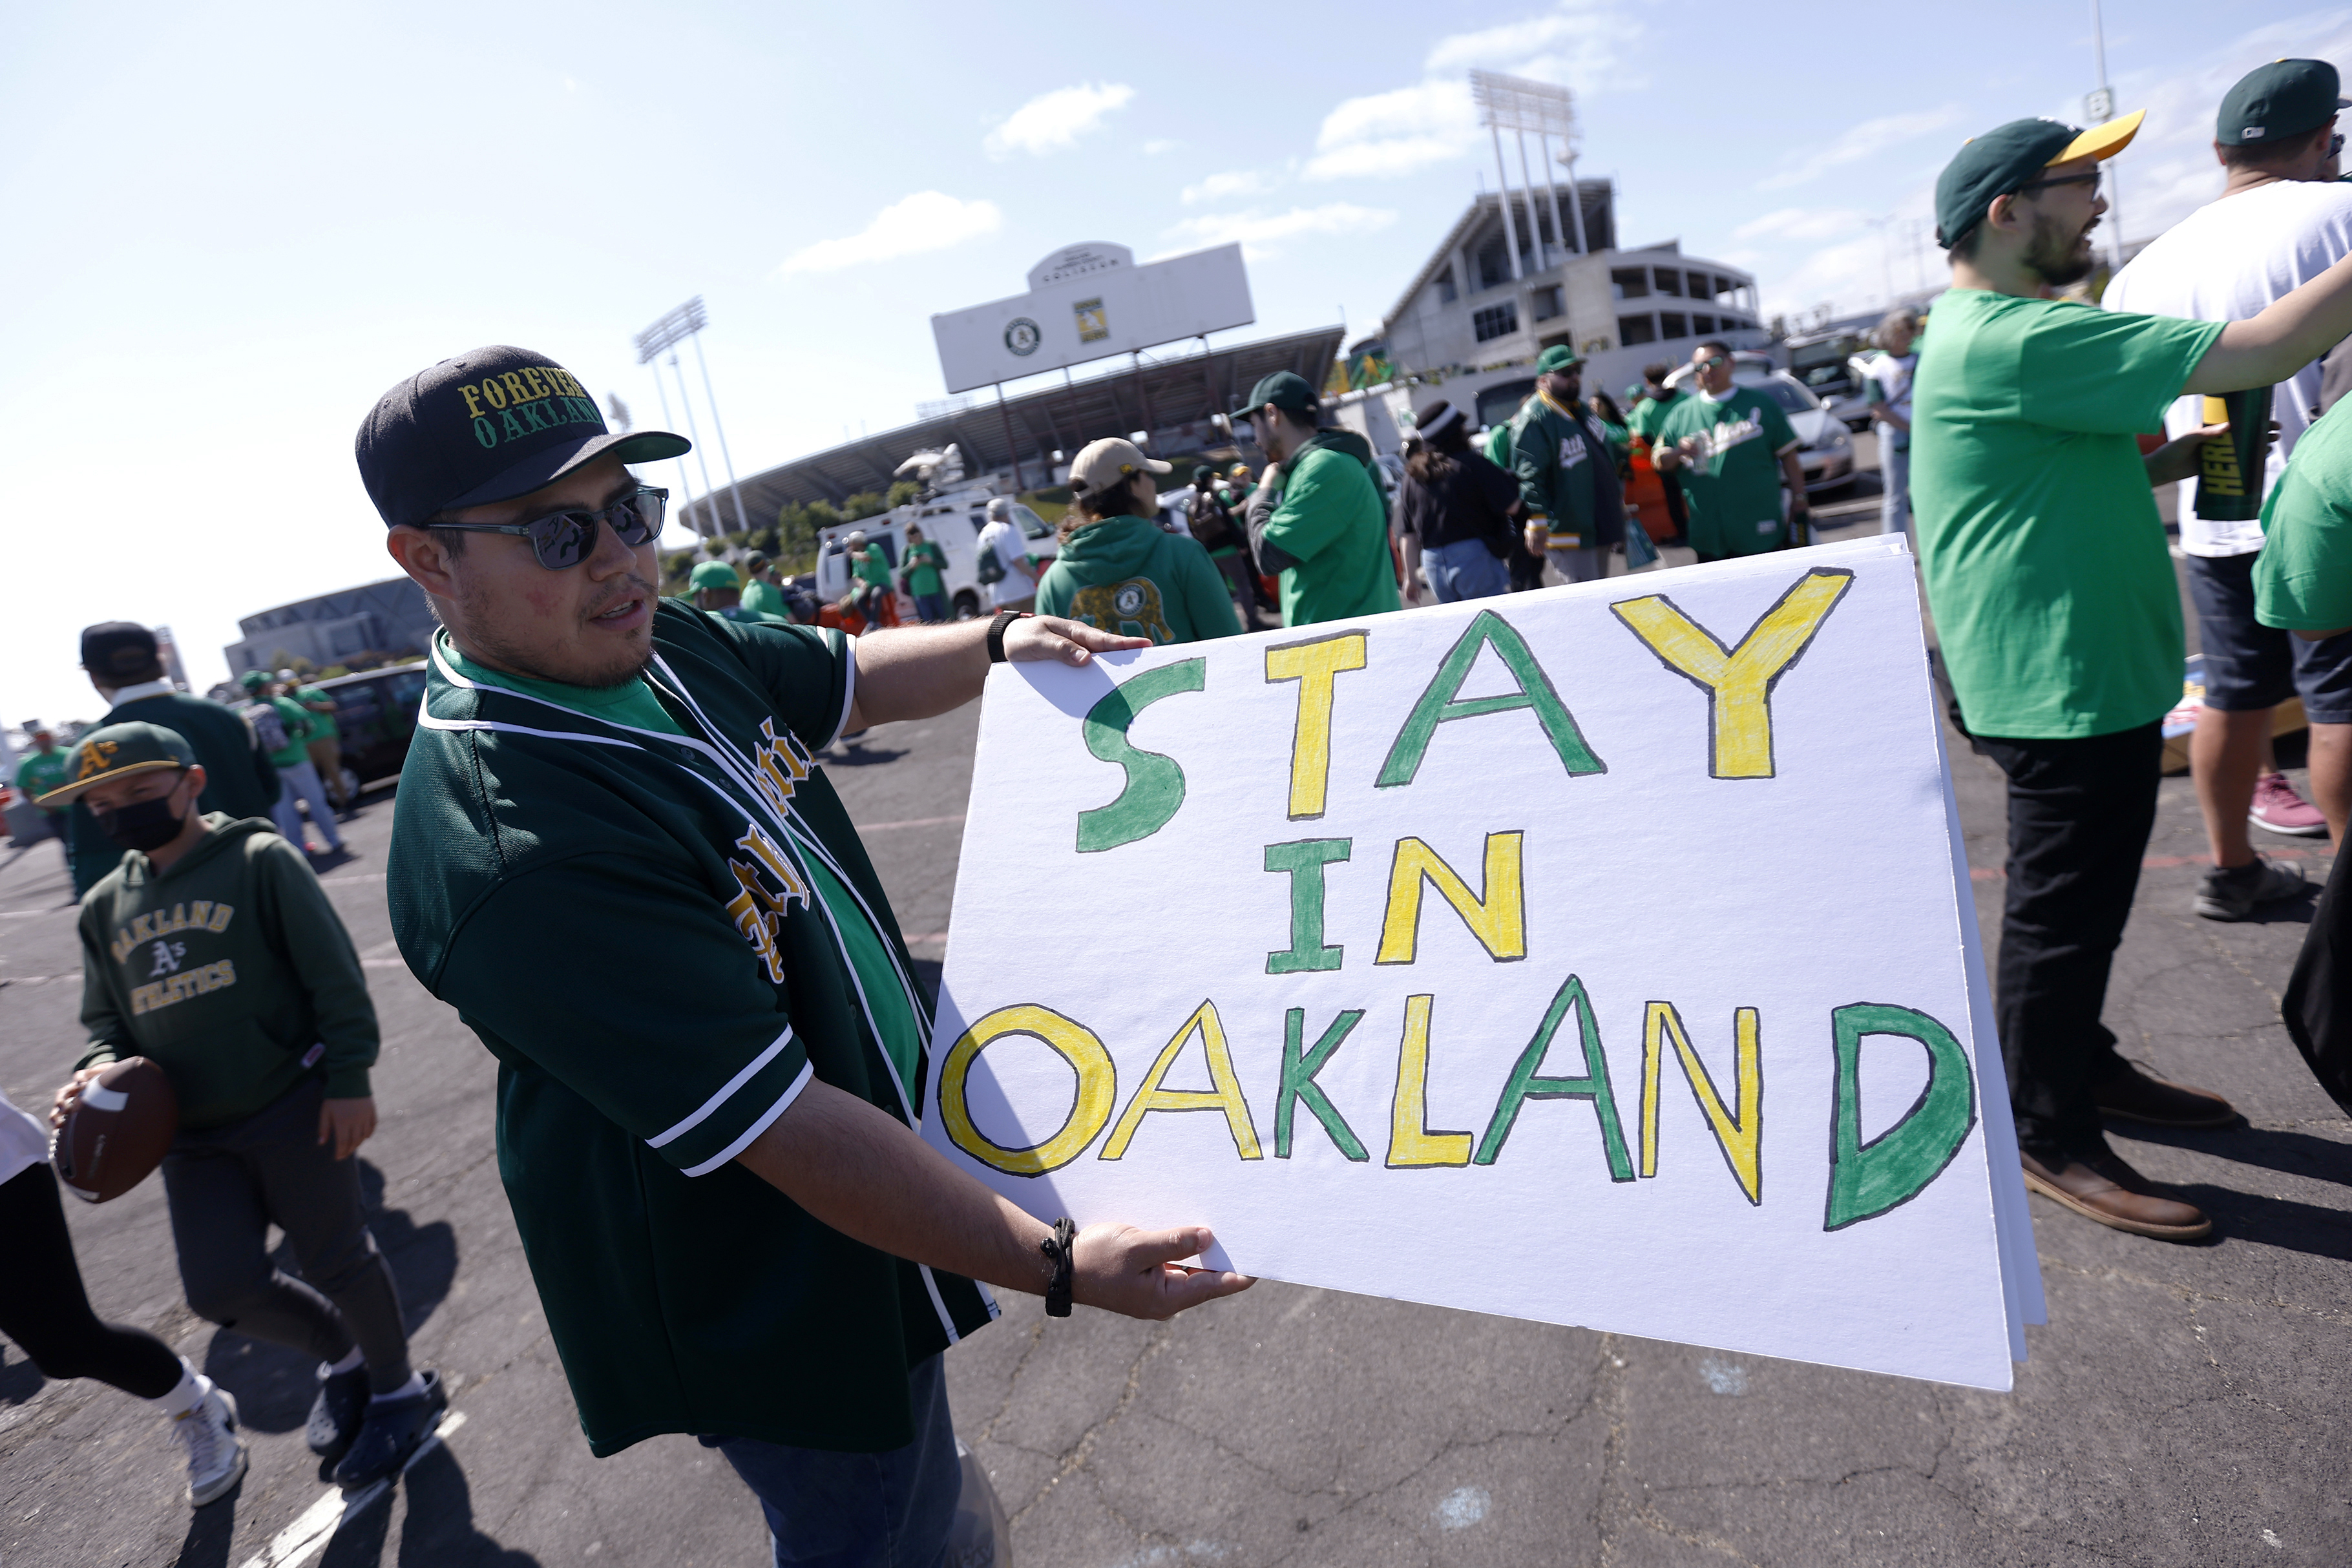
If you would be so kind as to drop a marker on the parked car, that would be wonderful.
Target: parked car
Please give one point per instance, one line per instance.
(375, 715)
(1827, 454)
(1826, 364)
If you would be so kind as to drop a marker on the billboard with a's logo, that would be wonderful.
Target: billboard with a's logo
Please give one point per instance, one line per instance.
(1089, 302)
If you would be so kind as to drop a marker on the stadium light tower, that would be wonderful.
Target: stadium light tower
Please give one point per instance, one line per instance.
(679, 326)
(1519, 106)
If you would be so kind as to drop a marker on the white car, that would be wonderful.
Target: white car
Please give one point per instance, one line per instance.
(1827, 453)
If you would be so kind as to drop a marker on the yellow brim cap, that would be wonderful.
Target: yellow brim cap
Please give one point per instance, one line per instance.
(2104, 141)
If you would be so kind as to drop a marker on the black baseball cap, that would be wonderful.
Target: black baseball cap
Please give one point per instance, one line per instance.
(488, 425)
(2008, 158)
(2283, 99)
(1284, 389)
(118, 648)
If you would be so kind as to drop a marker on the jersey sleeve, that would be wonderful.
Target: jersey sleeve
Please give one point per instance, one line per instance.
(1778, 433)
(2107, 372)
(683, 1043)
(809, 673)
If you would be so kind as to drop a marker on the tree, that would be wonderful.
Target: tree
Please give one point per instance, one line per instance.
(903, 491)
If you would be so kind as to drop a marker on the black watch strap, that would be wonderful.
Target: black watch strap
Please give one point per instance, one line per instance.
(1061, 1250)
(996, 632)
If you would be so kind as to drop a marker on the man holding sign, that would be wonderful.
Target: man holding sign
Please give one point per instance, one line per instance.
(614, 855)
(2055, 600)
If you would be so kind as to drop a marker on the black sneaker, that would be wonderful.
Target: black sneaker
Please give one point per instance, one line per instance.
(336, 1413)
(2235, 893)
(393, 1430)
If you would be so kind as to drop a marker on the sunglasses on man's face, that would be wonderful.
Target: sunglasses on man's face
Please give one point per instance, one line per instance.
(1712, 360)
(2090, 179)
(564, 539)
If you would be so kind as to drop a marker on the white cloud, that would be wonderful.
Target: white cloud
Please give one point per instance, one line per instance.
(1395, 132)
(1859, 142)
(1800, 223)
(1262, 233)
(1158, 145)
(1056, 119)
(1239, 183)
(1579, 44)
(927, 220)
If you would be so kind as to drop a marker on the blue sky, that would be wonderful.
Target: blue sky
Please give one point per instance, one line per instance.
(231, 227)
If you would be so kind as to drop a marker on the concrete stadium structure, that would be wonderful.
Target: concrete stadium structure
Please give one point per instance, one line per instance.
(388, 618)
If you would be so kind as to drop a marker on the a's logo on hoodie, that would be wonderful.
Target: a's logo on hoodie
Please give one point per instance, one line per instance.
(1130, 609)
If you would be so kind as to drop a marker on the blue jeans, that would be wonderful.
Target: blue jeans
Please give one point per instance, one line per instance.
(1465, 568)
(930, 609)
(828, 1510)
(1894, 478)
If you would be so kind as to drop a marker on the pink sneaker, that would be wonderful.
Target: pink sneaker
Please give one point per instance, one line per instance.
(2279, 809)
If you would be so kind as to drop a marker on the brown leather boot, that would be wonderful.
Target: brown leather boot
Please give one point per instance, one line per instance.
(2103, 1188)
(2133, 1096)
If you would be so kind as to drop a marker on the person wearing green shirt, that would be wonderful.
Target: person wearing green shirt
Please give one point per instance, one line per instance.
(1568, 477)
(715, 587)
(41, 772)
(299, 787)
(1117, 571)
(921, 569)
(1731, 450)
(615, 856)
(325, 744)
(761, 595)
(874, 597)
(2058, 613)
(1328, 537)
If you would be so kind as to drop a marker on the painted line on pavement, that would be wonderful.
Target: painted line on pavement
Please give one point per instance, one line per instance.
(309, 1535)
(909, 822)
(354, 877)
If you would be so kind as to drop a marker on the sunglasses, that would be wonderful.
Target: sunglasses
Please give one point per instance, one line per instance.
(562, 540)
(1711, 361)
(2091, 178)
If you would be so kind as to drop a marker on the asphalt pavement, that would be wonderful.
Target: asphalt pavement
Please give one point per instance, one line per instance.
(2183, 1406)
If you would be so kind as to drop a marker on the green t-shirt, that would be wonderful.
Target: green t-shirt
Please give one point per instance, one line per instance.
(873, 569)
(924, 562)
(41, 773)
(322, 724)
(1734, 486)
(764, 597)
(1332, 522)
(1646, 415)
(298, 730)
(2302, 578)
(2044, 557)
(664, 931)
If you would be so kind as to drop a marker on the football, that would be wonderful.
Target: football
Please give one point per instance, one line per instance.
(117, 1132)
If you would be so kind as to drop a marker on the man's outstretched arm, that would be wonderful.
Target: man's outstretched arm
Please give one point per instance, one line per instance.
(921, 672)
(859, 1170)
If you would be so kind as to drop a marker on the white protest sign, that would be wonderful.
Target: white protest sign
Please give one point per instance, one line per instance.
(1601, 956)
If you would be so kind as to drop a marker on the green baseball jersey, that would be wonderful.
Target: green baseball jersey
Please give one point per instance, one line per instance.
(322, 724)
(763, 597)
(648, 903)
(2043, 551)
(2302, 578)
(1560, 459)
(298, 730)
(1734, 484)
(1332, 522)
(924, 562)
(42, 773)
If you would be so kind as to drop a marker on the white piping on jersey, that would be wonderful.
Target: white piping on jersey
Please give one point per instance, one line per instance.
(725, 1091)
(785, 1104)
(738, 770)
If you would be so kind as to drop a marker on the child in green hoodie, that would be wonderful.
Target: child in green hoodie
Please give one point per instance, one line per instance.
(212, 952)
(1117, 571)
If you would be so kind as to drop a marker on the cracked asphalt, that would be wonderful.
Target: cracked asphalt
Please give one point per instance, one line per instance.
(2183, 1406)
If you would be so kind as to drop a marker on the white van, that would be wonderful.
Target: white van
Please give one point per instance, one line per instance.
(954, 520)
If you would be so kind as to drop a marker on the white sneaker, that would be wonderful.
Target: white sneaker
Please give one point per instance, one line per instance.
(215, 1453)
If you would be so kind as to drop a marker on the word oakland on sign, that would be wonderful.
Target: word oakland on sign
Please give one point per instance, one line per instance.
(1601, 956)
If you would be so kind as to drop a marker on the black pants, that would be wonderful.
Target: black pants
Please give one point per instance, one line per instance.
(45, 1310)
(1678, 513)
(226, 1185)
(2080, 813)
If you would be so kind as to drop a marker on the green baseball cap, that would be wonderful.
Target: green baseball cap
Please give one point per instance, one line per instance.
(2283, 99)
(714, 574)
(2006, 160)
(119, 751)
(253, 680)
(1284, 389)
(1558, 359)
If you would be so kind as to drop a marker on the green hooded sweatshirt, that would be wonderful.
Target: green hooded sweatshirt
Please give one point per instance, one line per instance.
(1123, 575)
(230, 971)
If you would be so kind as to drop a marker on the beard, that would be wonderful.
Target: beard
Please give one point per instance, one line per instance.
(2059, 261)
(475, 619)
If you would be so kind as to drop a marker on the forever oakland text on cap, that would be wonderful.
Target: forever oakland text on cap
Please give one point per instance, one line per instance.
(485, 426)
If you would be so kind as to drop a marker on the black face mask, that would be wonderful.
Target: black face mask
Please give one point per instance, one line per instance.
(142, 825)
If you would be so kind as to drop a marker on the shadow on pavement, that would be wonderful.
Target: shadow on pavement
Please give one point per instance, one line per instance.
(852, 755)
(2273, 1221)
(274, 1386)
(211, 1530)
(438, 1532)
(20, 1379)
(2295, 1153)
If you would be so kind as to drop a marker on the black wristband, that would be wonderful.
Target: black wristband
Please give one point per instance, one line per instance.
(996, 654)
(1062, 1247)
